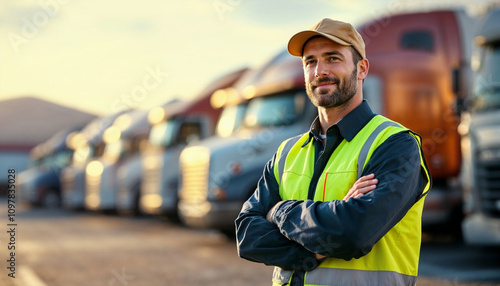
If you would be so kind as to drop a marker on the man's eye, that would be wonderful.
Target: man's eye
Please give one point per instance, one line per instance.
(309, 63)
(332, 59)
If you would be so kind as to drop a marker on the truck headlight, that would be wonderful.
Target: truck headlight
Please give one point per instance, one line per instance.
(94, 168)
(92, 201)
(152, 162)
(218, 193)
(236, 168)
(152, 200)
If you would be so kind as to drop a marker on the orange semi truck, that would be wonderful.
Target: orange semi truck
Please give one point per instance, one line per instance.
(418, 71)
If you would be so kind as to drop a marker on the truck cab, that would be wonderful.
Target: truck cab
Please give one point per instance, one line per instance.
(123, 142)
(419, 70)
(220, 173)
(88, 145)
(174, 127)
(39, 185)
(480, 129)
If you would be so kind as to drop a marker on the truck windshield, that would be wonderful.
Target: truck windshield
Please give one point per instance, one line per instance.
(162, 134)
(487, 84)
(58, 160)
(230, 119)
(280, 109)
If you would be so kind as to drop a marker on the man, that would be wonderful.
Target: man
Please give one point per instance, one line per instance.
(341, 204)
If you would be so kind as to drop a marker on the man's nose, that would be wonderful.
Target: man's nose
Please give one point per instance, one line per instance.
(321, 70)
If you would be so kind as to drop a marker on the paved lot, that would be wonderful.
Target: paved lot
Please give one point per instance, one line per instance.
(61, 248)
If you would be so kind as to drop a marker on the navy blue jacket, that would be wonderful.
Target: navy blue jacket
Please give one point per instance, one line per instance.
(334, 228)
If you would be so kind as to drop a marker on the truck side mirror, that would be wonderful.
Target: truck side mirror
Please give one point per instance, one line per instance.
(458, 106)
(455, 80)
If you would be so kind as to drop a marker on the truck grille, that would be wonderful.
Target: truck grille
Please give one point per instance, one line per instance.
(152, 180)
(93, 184)
(488, 179)
(195, 167)
(68, 181)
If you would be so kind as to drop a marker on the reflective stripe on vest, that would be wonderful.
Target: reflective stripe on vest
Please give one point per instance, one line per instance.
(281, 276)
(325, 276)
(288, 145)
(368, 143)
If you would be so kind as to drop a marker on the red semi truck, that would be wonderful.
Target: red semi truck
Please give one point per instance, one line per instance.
(419, 70)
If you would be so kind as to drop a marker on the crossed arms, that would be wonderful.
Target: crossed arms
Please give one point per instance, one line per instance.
(295, 234)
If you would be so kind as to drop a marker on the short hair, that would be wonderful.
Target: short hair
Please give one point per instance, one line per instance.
(356, 56)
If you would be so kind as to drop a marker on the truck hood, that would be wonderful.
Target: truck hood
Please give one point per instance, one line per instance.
(129, 173)
(215, 143)
(35, 176)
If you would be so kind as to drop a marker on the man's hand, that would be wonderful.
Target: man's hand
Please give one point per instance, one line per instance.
(362, 186)
(319, 256)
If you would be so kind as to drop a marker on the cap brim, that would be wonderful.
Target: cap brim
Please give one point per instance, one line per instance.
(296, 43)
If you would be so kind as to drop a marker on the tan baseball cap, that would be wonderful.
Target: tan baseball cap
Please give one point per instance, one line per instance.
(337, 31)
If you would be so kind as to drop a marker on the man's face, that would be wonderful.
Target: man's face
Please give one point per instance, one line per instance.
(331, 76)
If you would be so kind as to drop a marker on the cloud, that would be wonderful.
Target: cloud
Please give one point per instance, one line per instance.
(90, 52)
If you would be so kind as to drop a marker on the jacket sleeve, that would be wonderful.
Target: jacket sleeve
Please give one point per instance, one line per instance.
(261, 241)
(350, 229)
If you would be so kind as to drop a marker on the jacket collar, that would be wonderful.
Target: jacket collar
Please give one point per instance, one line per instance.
(349, 126)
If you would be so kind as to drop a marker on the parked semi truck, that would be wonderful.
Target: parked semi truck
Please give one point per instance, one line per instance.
(39, 185)
(418, 67)
(89, 145)
(129, 172)
(419, 70)
(174, 127)
(480, 129)
(123, 141)
(220, 173)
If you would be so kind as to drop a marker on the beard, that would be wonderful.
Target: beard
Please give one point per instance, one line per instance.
(346, 89)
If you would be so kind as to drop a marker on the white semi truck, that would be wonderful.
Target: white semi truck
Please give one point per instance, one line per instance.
(480, 130)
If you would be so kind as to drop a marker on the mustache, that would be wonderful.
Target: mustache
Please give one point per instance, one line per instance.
(330, 80)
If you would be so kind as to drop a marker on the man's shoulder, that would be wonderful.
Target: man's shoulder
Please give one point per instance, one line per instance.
(296, 138)
(405, 141)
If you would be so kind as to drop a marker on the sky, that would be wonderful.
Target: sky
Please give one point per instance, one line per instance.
(105, 56)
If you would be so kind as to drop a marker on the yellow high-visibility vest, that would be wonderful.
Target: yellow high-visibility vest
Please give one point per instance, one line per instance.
(393, 260)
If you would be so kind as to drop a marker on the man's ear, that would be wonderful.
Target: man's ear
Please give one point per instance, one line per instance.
(363, 67)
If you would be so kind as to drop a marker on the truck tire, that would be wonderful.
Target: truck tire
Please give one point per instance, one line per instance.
(51, 199)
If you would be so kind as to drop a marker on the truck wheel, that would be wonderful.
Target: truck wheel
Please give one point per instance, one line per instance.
(229, 233)
(136, 209)
(51, 199)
